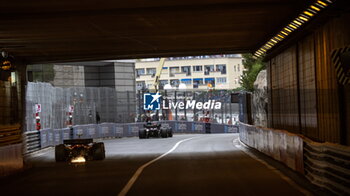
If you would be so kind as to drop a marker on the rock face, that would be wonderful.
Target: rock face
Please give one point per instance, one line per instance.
(259, 102)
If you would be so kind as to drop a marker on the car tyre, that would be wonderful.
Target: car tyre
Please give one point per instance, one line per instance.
(142, 134)
(164, 133)
(170, 133)
(98, 151)
(60, 153)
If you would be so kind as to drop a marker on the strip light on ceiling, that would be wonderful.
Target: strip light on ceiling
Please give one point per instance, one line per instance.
(296, 23)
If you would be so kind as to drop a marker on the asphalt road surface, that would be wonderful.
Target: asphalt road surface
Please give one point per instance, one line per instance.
(212, 164)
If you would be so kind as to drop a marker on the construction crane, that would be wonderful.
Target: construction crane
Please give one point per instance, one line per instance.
(158, 74)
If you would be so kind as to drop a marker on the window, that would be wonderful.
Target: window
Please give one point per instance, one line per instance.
(140, 72)
(151, 71)
(197, 68)
(186, 81)
(197, 82)
(238, 67)
(175, 83)
(140, 85)
(221, 68)
(235, 68)
(186, 69)
(173, 71)
(208, 69)
(221, 80)
(208, 81)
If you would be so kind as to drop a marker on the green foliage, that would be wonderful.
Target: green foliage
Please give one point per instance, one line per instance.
(252, 68)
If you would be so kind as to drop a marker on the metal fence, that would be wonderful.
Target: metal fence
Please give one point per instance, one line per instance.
(111, 105)
(52, 137)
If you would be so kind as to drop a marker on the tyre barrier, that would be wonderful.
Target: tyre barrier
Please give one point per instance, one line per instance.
(51, 137)
(325, 165)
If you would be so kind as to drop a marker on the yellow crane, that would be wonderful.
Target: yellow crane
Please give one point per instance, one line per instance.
(158, 74)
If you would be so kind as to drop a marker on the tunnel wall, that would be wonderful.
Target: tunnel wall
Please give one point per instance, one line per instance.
(304, 93)
(324, 164)
(11, 159)
(11, 117)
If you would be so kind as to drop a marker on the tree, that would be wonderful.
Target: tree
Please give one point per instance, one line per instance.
(252, 67)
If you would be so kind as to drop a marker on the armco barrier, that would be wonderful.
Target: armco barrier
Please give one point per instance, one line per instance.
(50, 137)
(106, 130)
(92, 131)
(326, 165)
(281, 145)
(133, 129)
(230, 129)
(44, 141)
(31, 141)
(118, 130)
(65, 134)
(198, 127)
(57, 137)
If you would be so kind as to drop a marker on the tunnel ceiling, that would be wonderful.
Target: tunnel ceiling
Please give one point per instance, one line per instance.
(60, 31)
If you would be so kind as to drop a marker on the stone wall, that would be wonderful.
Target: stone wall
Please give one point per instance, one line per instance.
(260, 100)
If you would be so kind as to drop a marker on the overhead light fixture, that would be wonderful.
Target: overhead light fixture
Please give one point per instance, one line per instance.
(287, 29)
(322, 3)
(281, 36)
(315, 8)
(296, 23)
(284, 33)
(308, 13)
(303, 18)
(293, 26)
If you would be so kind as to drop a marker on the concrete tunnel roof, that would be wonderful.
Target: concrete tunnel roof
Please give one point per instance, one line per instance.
(65, 31)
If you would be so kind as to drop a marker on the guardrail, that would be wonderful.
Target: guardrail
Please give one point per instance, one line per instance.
(10, 135)
(31, 141)
(35, 140)
(326, 165)
(278, 144)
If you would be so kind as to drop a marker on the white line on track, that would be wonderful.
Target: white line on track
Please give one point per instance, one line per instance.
(240, 145)
(138, 172)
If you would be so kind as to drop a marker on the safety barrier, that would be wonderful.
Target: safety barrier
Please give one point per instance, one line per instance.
(31, 141)
(324, 164)
(52, 137)
(281, 145)
(328, 166)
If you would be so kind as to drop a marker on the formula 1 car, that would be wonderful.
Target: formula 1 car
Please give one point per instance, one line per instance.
(155, 130)
(79, 150)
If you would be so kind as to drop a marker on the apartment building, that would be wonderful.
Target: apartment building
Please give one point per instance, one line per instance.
(220, 72)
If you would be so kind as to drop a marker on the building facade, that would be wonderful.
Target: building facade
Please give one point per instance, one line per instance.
(214, 72)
